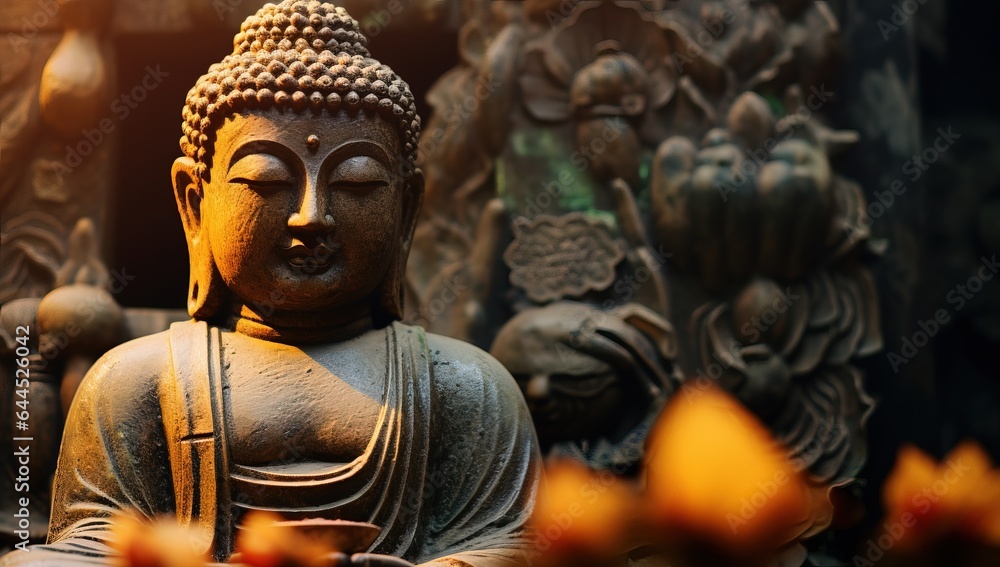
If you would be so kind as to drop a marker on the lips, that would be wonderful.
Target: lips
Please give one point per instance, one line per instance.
(310, 259)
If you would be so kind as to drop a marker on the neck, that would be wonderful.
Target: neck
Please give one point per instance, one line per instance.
(296, 327)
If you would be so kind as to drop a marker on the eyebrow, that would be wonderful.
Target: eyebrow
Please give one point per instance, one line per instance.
(363, 148)
(269, 147)
(282, 152)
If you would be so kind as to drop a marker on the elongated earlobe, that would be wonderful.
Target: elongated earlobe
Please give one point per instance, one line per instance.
(205, 287)
(411, 209)
(390, 293)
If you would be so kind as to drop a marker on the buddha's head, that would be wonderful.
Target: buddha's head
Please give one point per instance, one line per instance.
(297, 188)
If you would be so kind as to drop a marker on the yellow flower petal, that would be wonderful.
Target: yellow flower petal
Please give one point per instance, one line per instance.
(714, 469)
(580, 511)
(163, 543)
(958, 497)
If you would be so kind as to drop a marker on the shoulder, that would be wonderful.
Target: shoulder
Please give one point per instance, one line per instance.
(482, 423)
(446, 351)
(138, 359)
(455, 361)
(468, 379)
(125, 378)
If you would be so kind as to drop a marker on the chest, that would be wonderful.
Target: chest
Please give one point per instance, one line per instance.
(289, 405)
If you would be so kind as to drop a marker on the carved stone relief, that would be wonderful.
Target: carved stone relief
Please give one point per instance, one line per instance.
(669, 156)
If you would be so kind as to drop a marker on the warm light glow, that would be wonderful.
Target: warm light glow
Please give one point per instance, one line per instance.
(927, 500)
(163, 543)
(583, 512)
(263, 543)
(714, 470)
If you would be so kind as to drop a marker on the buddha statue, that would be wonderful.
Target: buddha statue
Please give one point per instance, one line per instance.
(295, 389)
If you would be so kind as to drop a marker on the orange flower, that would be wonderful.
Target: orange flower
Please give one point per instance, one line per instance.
(583, 514)
(715, 473)
(926, 500)
(264, 542)
(163, 543)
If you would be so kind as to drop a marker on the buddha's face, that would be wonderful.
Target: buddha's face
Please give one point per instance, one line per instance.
(305, 212)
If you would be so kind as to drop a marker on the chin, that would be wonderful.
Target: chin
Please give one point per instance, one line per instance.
(318, 295)
(306, 298)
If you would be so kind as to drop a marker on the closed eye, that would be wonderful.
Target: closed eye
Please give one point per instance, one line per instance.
(261, 171)
(262, 183)
(360, 185)
(361, 173)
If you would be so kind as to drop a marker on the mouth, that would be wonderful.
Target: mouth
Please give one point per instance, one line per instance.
(310, 259)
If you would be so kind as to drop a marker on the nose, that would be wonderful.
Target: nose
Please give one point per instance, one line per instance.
(538, 387)
(313, 218)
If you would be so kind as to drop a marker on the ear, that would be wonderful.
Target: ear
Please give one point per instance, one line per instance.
(412, 201)
(187, 193)
(390, 295)
(206, 290)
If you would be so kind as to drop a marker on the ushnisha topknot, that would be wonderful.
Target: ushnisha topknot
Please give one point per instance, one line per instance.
(303, 55)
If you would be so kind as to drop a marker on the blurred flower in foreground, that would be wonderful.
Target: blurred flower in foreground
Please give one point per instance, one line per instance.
(934, 506)
(719, 484)
(264, 542)
(583, 517)
(163, 543)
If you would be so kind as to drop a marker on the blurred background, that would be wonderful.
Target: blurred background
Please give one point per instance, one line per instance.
(906, 78)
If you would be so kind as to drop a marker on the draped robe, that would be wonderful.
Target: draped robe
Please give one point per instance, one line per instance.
(450, 472)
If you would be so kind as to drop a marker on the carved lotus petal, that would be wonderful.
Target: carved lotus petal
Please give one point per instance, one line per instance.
(851, 226)
(871, 342)
(825, 310)
(829, 319)
(823, 421)
(852, 325)
(594, 32)
(803, 386)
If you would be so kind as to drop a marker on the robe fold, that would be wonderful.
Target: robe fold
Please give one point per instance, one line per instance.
(450, 472)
